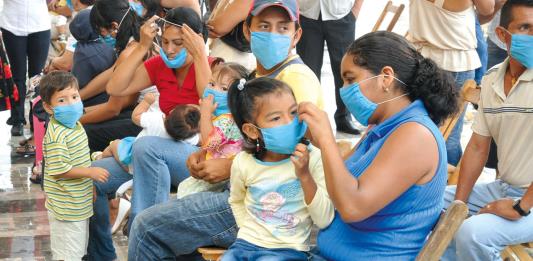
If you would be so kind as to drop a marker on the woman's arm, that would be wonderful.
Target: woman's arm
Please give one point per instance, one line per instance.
(484, 7)
(108, 110)
(227, 15)
(407, 157)
(131, 77)
(206, 118)
(96, 85)
(196, 47)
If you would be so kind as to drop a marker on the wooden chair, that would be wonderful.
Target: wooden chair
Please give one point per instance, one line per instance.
(397, 10)
(442, 234)
(211, 253)
(517, 253)
(470, 93)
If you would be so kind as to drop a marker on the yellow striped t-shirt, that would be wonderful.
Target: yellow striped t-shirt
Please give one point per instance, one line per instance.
(64, 148)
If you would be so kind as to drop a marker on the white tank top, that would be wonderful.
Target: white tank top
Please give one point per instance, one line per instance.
(448, 38)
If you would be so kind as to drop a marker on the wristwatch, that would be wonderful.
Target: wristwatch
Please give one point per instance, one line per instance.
(518, 209)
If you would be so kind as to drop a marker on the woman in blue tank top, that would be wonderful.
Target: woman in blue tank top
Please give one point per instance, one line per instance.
(388, 192)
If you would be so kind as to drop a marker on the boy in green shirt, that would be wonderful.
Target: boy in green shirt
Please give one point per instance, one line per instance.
(68, 177)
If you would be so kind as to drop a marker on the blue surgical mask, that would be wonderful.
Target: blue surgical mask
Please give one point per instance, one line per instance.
(270, 49)
(109, 40)
(68, 115)
(69, 5)
(522, 49)
(221, 98)
(137, 7)
(177, 62)
(358, 104)
(283, 139)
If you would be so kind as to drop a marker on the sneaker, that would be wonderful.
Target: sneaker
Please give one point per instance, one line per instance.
(124, 207)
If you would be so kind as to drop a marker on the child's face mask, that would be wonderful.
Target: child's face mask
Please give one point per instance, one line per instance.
(283, 139)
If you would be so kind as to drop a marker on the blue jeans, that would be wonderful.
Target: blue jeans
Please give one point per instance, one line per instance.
(100, 246)
(483, 237)
(243, 250)
(179, 226)
(453, 143)
(157, 163)
(481, 52)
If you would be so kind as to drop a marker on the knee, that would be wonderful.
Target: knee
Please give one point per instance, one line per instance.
(144, 146)
(472, 233)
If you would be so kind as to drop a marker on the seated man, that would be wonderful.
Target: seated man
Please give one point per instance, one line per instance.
(501, 208)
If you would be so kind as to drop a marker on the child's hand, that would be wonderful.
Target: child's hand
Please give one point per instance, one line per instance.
(207, 107)
(99, 174)
(300, 159)
(149, 98)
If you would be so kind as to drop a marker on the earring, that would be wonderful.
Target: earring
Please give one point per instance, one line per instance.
(257, 146)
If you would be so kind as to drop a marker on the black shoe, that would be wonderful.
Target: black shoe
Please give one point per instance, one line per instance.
(9, 121)
(17, 129)
(347, 127)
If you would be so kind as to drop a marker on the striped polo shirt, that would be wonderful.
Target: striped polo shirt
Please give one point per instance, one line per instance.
(64, 148)
(508, 119)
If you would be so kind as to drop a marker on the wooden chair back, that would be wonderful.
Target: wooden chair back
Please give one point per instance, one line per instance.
(470, 93)
(442, 234)
(396, 10)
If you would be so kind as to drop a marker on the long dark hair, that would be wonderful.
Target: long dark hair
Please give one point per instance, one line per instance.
(423, 79)
(243, 106)
(105, 12)
(185, 15)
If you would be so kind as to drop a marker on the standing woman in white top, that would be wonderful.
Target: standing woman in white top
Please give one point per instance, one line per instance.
(444, 31)
(26, 32)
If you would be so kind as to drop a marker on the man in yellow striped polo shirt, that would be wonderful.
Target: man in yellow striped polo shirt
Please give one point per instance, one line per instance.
(68, 177)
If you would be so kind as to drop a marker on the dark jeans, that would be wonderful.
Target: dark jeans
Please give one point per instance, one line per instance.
(100, 134)
(27, 55)
(338, 34)
(496, 55)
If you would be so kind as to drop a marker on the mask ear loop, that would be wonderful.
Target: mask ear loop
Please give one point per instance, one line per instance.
(122, 20)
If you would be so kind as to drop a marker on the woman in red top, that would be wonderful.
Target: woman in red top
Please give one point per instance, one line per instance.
(180, 72)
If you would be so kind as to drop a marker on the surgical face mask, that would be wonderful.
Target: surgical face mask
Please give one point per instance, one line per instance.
(522, 49)
(283, 139)
(358, 104)
(270, 48)
(221, 98)
(68, 115)
(177, 62)
(109, 40)
(137, 7)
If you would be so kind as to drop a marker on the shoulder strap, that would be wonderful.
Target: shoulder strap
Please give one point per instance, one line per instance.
(275, 73)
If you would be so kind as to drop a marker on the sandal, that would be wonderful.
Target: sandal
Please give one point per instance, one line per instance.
(26, 141)
(27, 150)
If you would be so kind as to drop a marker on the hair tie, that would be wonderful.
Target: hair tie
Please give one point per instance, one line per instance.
(241, 84)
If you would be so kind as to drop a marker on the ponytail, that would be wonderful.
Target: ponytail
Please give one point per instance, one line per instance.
(435, 88)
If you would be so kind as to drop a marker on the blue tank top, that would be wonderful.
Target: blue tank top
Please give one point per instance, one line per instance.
(398, 231)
